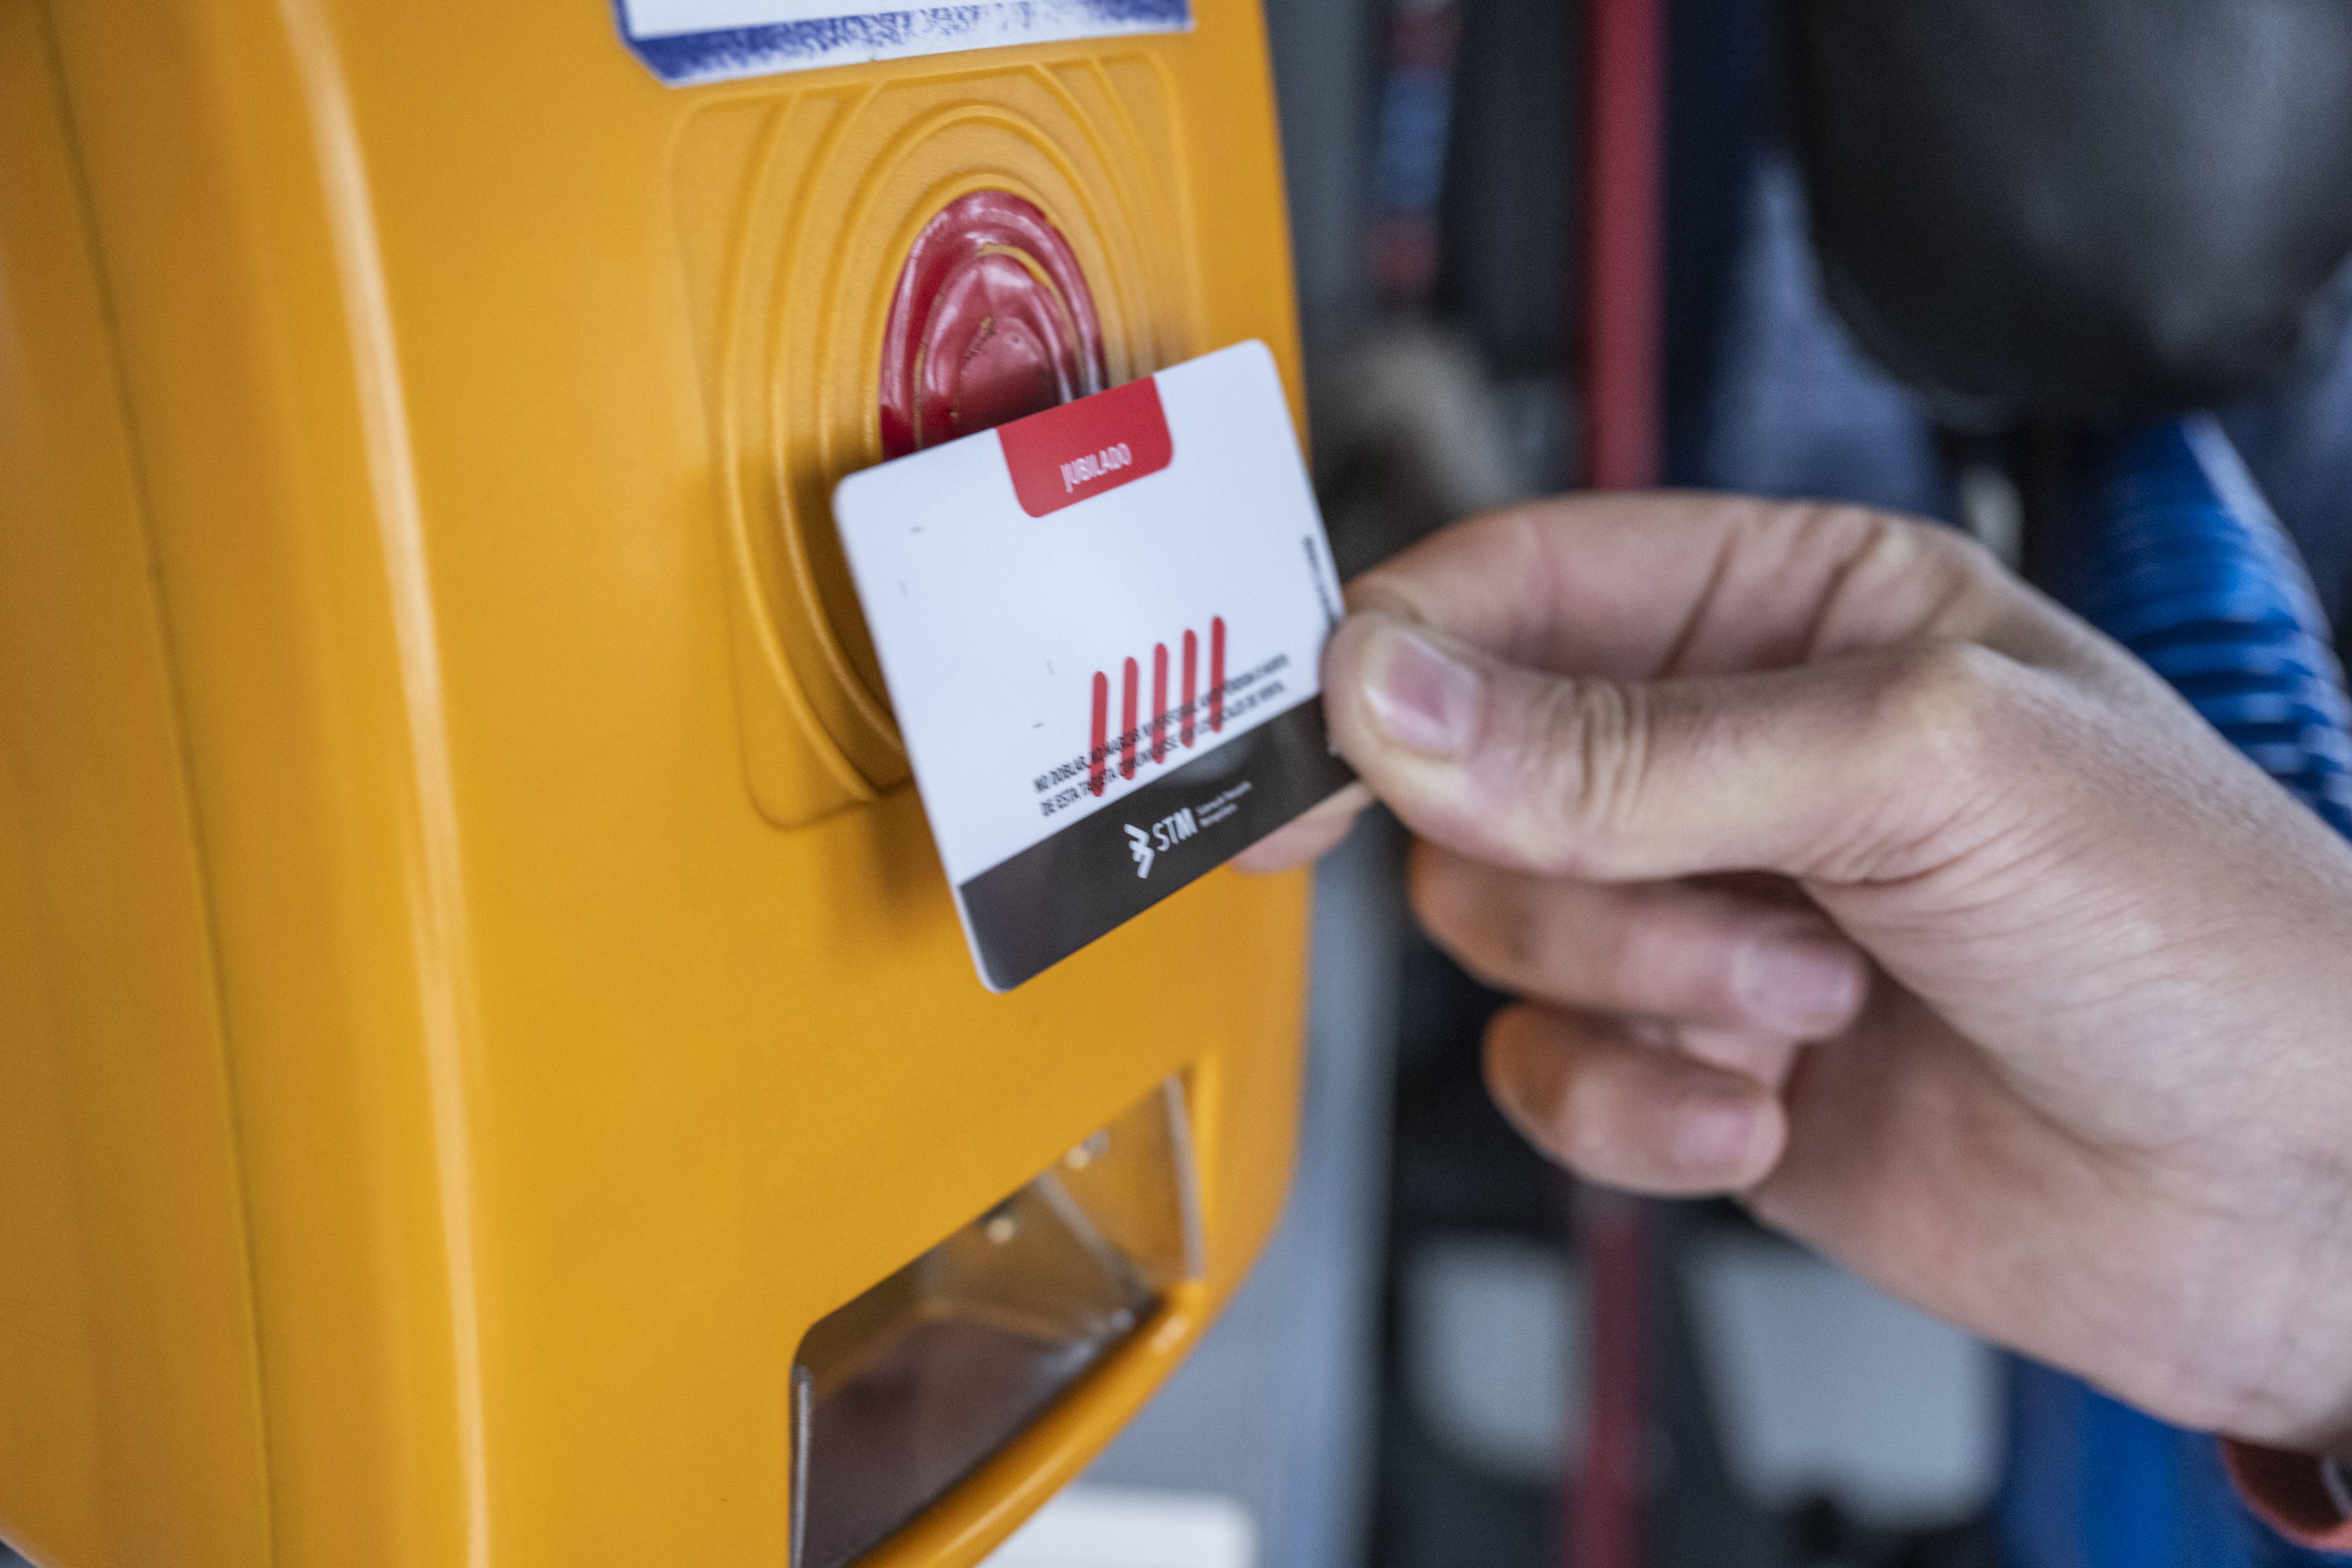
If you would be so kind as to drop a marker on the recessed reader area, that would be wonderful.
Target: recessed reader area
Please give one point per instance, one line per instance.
(905, 1391)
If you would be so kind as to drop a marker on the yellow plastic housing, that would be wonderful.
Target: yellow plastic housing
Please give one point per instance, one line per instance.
(474, 986)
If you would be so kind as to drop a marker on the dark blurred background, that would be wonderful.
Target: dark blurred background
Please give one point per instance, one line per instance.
(1911, 256)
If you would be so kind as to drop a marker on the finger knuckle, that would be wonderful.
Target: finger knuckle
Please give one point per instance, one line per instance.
(1951, 700)
(1954, 725)
(1936, 546)
(1580, 771)
(1884, 570)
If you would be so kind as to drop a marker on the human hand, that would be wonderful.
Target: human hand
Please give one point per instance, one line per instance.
(2040, 1013)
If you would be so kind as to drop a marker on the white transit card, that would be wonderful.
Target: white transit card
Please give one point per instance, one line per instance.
(1102, 628)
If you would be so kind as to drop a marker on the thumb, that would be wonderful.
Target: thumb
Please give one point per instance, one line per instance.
(1866, 766)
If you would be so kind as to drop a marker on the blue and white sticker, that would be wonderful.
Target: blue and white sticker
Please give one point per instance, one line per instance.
(688, 41)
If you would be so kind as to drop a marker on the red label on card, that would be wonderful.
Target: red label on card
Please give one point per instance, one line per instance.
(1086, 447)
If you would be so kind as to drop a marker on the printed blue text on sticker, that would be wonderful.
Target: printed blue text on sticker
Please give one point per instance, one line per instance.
(688, 41)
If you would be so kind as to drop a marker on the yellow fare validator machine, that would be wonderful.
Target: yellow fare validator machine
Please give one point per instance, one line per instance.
(490, 1075)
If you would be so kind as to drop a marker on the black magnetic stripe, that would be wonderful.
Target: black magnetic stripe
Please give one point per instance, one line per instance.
(1059, 894)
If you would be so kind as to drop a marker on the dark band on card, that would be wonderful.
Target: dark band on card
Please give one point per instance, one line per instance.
(1044, 904)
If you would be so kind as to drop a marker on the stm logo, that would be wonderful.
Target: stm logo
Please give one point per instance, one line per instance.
(1165, 834)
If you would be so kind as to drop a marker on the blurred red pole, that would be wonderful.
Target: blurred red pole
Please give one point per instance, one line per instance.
(1624, 259)
(1624, 268)
(1604, 1495)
